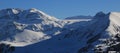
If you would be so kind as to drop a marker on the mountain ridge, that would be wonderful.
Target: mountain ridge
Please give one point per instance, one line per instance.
(43, 33)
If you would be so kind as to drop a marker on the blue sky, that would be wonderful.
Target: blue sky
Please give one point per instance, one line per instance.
(64, 8)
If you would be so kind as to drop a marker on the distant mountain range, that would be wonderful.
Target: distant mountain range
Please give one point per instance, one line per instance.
(80, 17)
(33, 31)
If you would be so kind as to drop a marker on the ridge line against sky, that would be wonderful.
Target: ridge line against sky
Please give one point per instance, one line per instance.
(65, 8)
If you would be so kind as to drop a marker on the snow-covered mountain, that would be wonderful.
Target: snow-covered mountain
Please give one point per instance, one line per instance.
(33, 31)
(26, 26)
(79, 17)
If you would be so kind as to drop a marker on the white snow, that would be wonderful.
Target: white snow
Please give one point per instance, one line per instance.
(45, 34)
(114, 23)
(27, 37)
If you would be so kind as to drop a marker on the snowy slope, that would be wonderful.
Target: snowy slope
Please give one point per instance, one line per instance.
(74, 37)
(115, 23)
(33, 29)
(26, 37)
(26, 26)
(111, 43)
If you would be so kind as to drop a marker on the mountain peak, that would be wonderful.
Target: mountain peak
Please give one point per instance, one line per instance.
(14, 10)
(100, 14)
(16, 13)
(34, 10)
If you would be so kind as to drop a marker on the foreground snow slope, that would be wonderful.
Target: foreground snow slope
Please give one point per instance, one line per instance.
(33, 29)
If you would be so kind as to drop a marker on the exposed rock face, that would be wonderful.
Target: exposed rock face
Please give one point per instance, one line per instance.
(6, 48)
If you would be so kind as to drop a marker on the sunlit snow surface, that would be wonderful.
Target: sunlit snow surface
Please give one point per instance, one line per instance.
(32, 31)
